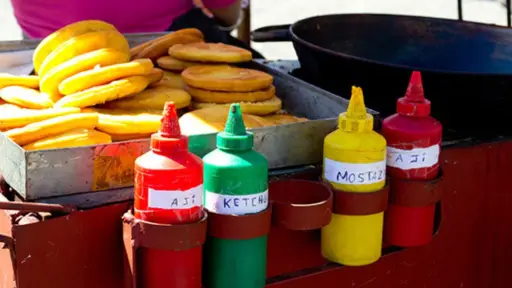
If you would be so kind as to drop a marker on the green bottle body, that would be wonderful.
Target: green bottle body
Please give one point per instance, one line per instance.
(235, 183)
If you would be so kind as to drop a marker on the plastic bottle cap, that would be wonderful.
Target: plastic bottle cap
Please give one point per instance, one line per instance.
(414, 102)
(356, 119)
(169, 137)
(235, 137)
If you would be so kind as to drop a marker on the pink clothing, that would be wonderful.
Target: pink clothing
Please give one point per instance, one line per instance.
(39, 18)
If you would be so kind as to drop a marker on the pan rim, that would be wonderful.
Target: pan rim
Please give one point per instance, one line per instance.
(296, 38)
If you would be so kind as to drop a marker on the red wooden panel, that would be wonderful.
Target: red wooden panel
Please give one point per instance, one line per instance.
(81, 250)
(472, 248)
(6, 270)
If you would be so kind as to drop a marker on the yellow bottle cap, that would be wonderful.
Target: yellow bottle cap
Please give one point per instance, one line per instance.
(356, 119)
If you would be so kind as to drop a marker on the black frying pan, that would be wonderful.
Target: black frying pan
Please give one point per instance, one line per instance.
(466, 67)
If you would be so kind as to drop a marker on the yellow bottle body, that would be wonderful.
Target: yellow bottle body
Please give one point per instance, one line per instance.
(354, 162)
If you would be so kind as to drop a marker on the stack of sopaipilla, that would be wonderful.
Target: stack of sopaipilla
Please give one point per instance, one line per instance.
(91, 88)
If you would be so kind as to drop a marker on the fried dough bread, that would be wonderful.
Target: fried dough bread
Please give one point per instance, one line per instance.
(226, 78)
(213, 119)
(207, 96)
(210, 52)
(253, 108)
(173, 64)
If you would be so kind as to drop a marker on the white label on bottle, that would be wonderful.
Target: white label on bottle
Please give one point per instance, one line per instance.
(236, 204)
(413, 159)
(175, 199)
(356, 174)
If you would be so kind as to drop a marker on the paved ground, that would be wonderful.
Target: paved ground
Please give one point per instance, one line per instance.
(273, 12)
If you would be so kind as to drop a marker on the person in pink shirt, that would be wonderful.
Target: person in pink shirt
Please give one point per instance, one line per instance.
(39, 18)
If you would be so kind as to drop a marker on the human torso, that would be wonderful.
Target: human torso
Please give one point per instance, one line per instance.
(39, 18)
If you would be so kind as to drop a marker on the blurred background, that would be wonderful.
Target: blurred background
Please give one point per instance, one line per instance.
(274, 12)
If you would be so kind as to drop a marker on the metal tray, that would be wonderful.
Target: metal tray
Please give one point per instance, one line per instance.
(30, 44)
(54, 173)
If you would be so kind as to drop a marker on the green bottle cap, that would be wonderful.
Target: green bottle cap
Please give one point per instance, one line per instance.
(235, 137)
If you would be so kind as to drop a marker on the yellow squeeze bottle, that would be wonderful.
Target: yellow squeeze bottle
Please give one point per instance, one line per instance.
(354, 161)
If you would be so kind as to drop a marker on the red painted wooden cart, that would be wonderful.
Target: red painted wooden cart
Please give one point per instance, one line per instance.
(471, 248)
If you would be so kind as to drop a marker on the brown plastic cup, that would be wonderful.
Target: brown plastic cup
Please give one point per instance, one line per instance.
(300, 204)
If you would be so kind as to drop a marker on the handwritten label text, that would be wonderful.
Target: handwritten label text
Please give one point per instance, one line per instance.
(357, 174)
(168, 199)
(236, 204)
(413, 159)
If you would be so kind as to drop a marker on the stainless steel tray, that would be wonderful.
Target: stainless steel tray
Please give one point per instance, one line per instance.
(54, 173)
(30, 44)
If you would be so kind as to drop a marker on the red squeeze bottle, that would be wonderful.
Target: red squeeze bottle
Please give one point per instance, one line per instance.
(169, 190)
(413, 139)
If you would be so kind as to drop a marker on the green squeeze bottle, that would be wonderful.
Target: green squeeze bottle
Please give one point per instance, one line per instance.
(235, 183)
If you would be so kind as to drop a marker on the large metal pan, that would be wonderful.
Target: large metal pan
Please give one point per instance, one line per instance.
(466, 67)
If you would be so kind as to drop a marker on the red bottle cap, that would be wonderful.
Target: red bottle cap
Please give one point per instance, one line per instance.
(169, 137)
(414, 102)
